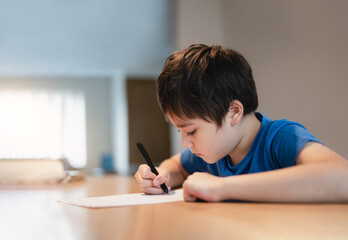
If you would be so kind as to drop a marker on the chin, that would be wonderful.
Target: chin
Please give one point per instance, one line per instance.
(209, 160)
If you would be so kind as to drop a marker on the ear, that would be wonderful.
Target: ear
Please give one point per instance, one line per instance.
(235, 112)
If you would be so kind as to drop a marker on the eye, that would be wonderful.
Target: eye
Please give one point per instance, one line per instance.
(191, 133)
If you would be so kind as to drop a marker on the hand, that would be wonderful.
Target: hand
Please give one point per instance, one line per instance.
(203, 186)
(149, 182)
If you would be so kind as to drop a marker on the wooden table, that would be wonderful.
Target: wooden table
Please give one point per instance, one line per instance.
(34, 213)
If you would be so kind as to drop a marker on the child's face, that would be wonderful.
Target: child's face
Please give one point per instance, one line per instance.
(205, 139)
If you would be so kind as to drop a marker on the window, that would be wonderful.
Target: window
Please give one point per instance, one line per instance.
(43, 124)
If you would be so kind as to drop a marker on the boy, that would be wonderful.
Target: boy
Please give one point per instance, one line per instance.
(233, 152)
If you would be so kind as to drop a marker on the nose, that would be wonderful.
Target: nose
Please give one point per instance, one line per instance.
(185, 141)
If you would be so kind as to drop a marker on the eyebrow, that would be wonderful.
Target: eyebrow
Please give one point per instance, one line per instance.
(184, 125)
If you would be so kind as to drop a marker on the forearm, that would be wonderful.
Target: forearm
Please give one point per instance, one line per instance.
(176, 172)
(317, 182)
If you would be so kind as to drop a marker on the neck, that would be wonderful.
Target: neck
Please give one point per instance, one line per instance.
(249, 128)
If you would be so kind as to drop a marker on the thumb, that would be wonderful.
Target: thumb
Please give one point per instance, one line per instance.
(159, 179)
(163, 176)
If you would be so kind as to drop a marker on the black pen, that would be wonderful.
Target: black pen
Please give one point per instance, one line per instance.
(149, 162)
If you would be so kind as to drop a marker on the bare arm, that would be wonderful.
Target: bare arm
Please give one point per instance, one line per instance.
(176, 172)
(320, 175)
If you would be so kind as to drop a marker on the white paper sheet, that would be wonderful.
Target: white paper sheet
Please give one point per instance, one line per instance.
(126, 199)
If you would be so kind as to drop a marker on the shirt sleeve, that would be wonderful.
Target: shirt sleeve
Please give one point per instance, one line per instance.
(191, 163)
(288, 142)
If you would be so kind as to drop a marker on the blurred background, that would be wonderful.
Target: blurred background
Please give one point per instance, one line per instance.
(77, 78)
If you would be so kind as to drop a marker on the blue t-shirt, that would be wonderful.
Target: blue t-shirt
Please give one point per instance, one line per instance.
(276, 146)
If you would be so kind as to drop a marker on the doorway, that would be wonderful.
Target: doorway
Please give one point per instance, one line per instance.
(147, 123)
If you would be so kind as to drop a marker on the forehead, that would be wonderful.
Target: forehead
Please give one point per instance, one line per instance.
(182, 122)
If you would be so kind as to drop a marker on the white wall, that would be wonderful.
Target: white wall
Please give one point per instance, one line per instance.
(85, 44)
(298, 51)
(80, 35)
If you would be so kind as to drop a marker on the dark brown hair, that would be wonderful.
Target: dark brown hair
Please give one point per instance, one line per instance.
(201, 81)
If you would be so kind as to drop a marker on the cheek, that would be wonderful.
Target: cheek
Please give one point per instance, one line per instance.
(206, 140)
(213, 146)
(222, 144)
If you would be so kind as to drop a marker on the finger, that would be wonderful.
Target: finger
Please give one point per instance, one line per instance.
(188, 197)
(145, 172)
(138, 177)
(158, 180)
(188, 193)
(153, 190)
(145, 183)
